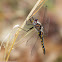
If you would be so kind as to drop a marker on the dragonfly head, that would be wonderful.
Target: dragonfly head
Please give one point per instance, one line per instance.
(35, 21)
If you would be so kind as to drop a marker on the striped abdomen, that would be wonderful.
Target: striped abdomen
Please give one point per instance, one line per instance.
(42, 42)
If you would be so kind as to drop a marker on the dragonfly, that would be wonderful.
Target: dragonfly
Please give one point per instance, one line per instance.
(40, 28)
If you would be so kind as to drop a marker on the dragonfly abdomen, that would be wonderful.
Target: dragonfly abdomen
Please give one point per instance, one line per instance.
(42, 42)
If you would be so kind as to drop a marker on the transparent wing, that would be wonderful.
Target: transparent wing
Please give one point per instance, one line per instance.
(36, 46)
(11, 36)
(46, 26)
(22, 38)
(23, 31)
(33, 42)
(32, 38)
(46, 22)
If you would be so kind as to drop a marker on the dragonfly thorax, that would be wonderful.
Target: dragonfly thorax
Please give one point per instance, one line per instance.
(37, 25)
(41, 29)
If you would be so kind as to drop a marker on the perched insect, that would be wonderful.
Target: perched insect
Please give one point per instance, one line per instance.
(39, 27)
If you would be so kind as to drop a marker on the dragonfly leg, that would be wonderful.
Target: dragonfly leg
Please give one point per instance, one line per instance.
(26, 30)
(31, 20)
(22, 29)
(30, 29)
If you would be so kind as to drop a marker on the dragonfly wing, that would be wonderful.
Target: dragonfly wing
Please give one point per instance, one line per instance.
(36, 46)
(31, 38)
(45, 22)
(46, 26)
(34, 42)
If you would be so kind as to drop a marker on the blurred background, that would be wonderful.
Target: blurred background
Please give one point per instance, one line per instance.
(14, 12)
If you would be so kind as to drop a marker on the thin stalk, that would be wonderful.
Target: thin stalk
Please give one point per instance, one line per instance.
(25, 23)
(16, 35)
